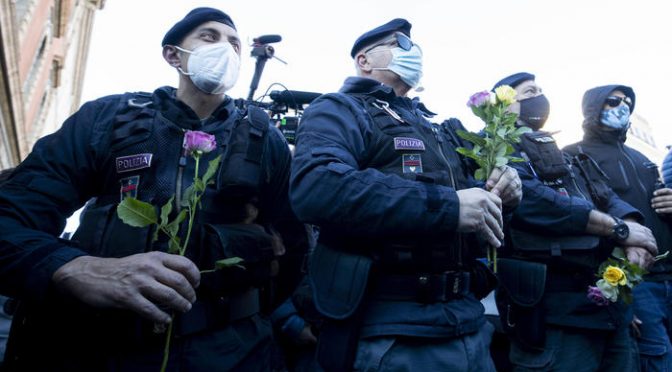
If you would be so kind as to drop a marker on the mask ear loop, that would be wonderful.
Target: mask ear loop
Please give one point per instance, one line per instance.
(180, 68)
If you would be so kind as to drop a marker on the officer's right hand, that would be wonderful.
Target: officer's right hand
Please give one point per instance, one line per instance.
(641, 236)
(639, 256)
(144, 283)
(481, 212)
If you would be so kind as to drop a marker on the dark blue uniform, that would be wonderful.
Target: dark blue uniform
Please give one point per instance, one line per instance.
(548, 227)
(380, 180)
(126, 145)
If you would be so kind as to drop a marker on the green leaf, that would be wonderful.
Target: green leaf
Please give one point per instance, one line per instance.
(515, 159)
(136, 213)
(521, 130)
(155, 234)
(501, 160)
(229, 262)
(174, 245)
(188, 195)
(199, 186)
(619, 253)
(174, 227)
(626, 296)
(165, 211)
(471, 137)
(212, 168)
(479, 174)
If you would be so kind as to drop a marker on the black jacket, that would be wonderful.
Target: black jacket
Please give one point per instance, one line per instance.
(631, 174)
(84, 160)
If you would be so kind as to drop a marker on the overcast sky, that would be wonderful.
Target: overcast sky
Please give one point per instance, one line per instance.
(468, 45)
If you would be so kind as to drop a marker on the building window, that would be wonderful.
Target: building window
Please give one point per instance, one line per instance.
(55, 74)
(35, 68)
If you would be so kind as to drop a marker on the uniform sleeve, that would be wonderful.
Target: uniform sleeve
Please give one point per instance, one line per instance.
(620, 208)
(331, 185)
(546, 210)
(47, 187)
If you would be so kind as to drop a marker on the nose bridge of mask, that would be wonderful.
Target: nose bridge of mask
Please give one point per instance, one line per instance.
(213, 68)
(406, 58)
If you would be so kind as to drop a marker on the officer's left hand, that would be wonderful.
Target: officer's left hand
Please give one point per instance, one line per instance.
(505, 183)
(639, 256)
(662, 201)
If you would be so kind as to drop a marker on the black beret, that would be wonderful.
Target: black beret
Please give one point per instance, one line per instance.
(192, 20)
(378, 33)
(514, 80)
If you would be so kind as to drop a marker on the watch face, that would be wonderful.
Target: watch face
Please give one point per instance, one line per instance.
(621, 231)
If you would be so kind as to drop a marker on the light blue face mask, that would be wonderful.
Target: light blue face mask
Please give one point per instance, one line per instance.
(407, 64)
(617, 118)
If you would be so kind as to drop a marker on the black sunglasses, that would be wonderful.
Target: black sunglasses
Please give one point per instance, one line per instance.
(403, 41)
(615, 101)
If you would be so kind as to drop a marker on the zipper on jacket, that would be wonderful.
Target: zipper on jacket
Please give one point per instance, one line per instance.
(443, 156)
(576, 185)
(634, 168)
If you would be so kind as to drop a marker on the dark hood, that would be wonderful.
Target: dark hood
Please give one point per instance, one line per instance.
(593, 100)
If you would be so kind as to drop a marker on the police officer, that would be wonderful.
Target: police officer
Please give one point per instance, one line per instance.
(566, 225)
(394, 271)
(92, 304)
(607, 110)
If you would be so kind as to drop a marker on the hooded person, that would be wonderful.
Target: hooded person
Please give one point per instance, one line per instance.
(558, 236)
(607, 112)
(103, 300)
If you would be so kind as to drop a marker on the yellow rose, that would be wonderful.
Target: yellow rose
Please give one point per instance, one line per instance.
(505, 94)
(614, 276)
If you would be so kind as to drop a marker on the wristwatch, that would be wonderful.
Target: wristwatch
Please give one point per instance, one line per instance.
(620, 230)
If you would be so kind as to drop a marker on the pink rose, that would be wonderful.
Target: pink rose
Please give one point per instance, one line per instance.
(479, 99)
(595, 295)
(200, 142)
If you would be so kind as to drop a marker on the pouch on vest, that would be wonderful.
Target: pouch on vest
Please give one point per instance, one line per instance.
(519, 300)
(247, 241)
(338, 279)
(241, 171)
(596, 180)
(544, 155)
(551, 245)
(102, 234)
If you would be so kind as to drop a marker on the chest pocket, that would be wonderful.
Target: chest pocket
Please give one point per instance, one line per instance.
(544, 155)
(133, 123)
(241, 172)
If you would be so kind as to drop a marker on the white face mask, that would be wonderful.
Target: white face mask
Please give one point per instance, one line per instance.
(407, 64)
(213, 68)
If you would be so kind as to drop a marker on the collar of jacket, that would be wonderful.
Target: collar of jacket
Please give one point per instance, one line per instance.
(181, 114)
(374, 88)
(595, 134)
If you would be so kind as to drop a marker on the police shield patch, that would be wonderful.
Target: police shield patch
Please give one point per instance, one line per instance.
(411, 163)
(133, 162)
(129, 187)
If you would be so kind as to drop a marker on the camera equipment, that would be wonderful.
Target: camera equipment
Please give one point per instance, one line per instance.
(281, 100)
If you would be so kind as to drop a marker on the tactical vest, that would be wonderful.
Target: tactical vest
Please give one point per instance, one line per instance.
(577, 176)
(147, 161)
(405, 144)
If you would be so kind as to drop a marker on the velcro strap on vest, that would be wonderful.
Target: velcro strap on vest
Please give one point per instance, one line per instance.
(258, 128)
(211, 313)
(424, 288)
